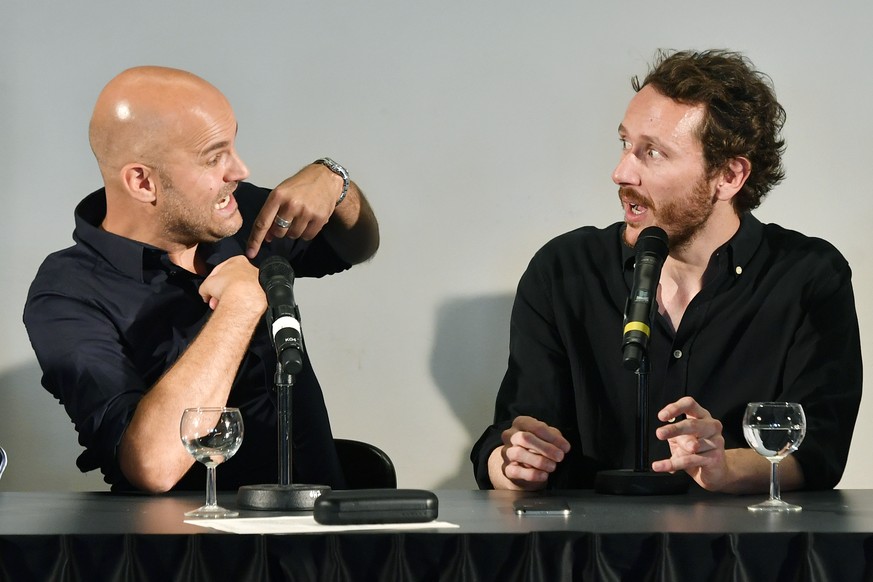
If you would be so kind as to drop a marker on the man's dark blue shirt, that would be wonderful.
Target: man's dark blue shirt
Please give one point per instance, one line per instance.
(109, 316)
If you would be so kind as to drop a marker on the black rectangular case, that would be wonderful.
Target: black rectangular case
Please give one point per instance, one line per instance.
(376, 506)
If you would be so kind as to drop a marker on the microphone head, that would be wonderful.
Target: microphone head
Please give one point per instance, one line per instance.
(653, 240)
(275, 266)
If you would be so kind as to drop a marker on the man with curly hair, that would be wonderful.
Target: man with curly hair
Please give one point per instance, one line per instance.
(746, 311)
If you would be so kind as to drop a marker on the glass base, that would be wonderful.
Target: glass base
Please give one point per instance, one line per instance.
(774, 505)
(212, 512)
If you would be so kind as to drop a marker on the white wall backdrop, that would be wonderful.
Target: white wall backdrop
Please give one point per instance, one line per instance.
(478, 129)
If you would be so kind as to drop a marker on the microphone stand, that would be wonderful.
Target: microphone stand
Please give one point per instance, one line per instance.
(641, 480)
(284, 496)
(642, 461)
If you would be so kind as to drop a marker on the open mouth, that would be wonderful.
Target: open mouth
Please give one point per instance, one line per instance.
(222, 204)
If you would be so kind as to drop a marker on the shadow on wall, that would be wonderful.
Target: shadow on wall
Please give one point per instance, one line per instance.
(468, 362)
(39, 437)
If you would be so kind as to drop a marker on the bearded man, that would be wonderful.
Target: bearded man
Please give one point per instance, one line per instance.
(745, 311)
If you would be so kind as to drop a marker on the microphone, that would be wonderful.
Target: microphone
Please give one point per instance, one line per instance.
(651, 251)
(277, 279)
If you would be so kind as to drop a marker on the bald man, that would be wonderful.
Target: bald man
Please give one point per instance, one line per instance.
(157, 306)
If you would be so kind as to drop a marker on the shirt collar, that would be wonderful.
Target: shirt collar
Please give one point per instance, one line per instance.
(745, 242)
(129, 256)
(124, 254)
(628, 254)
(740, 248)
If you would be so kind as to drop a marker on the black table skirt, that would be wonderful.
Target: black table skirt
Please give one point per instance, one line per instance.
(537, 556)
(68, 536)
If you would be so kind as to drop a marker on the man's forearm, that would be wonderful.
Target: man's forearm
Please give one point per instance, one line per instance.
(750, 472)
(151, 455)
(353, 230)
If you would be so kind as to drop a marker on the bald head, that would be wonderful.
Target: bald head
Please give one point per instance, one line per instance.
(143, 111)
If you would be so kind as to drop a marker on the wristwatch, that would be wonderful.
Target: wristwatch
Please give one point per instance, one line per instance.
(339, 171)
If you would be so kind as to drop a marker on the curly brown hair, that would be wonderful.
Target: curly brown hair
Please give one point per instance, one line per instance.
(742, 117)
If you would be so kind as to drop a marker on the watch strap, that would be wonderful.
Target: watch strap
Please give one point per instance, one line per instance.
(339, 171)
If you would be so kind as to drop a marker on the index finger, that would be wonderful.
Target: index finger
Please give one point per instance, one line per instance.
(261, 226)
(685, 405)
(542, 431)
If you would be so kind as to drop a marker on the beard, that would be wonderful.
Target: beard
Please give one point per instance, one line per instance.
(681, 219)
(185, 224)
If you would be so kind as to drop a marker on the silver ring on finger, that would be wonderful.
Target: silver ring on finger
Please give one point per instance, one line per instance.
(281, 222)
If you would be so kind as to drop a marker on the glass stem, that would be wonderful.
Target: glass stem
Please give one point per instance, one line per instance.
(775, 494)
(211, 500)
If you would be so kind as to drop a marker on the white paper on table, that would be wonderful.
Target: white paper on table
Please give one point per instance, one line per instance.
(293, 524)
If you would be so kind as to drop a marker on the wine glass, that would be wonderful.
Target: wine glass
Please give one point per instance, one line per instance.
(212, 435)
(774, 430)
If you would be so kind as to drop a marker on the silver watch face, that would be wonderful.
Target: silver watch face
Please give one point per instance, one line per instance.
(339, 170)
(334, 167)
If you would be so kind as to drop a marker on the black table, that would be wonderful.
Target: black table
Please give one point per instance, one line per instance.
(697, 536)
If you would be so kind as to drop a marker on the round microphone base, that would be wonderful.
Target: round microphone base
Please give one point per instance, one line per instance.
(280, 497)
(630, 482)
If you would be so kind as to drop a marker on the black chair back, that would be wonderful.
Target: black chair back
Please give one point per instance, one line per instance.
(366, 466)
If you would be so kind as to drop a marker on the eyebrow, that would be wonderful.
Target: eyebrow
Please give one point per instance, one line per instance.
(215, 147)
(647, 138)
(220, 145)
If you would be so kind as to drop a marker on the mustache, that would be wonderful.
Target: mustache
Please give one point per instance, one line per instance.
(631, 196)
(227, 189)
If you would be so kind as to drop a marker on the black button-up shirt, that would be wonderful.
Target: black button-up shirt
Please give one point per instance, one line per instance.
(774, 321)
(108, 316)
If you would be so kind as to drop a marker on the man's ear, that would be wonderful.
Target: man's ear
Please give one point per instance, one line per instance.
(733, 177)
(140, 182)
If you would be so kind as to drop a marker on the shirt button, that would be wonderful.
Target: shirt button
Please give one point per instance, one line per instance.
(677, 354)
